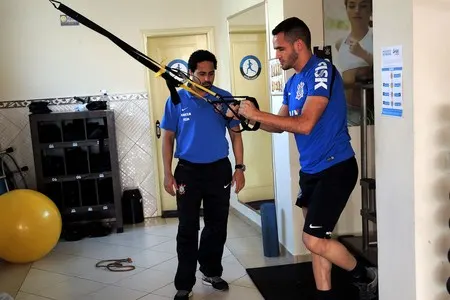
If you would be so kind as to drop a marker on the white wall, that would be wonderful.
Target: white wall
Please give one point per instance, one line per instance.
(412, 153)
(255, 16)
(395, 159)
(431, 148)
(40, 59)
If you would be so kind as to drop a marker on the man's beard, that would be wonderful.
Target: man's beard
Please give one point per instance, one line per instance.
(207, 84)
(290, 62)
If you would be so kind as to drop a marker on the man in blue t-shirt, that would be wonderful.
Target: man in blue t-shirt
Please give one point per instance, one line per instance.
(314, 110)
(203, 172)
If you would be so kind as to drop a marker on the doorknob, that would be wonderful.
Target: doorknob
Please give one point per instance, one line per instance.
(158, 129)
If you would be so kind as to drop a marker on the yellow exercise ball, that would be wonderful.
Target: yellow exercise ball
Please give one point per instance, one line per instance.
(30, 226)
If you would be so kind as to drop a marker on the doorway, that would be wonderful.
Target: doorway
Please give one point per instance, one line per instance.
(171, 48)
(249, 76)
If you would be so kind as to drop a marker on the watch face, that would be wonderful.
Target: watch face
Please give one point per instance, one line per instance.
(242, 167)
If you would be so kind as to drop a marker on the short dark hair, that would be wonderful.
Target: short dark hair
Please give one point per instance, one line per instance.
(294, 29)
(200, 56)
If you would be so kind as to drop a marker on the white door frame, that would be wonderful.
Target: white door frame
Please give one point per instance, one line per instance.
(209, 31)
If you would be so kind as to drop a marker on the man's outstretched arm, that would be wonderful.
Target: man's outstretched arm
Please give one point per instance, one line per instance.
(302, 123)
(283, 112)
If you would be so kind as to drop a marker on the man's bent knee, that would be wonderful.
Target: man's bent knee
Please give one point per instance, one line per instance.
(316, 245)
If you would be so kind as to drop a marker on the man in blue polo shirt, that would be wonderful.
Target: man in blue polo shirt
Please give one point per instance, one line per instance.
(314, 109)
(203, 173)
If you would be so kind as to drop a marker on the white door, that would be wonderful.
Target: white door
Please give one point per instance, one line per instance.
(248, 56)
(174, 49)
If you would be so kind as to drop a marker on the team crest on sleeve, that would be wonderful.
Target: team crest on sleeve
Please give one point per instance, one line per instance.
(300, 90)
(321, 76)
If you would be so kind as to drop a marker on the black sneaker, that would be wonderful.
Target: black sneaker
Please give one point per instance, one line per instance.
(183, 295)
(216, 282)
(368, 289)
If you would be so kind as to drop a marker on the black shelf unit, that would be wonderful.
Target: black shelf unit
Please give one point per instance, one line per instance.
(76, 164)
(366, 245)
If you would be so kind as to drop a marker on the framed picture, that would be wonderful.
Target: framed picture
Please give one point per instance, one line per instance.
(277, 77)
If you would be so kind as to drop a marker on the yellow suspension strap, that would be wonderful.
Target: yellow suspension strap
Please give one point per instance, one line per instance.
(163, 71)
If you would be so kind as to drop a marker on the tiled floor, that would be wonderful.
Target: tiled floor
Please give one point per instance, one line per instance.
(69, 271)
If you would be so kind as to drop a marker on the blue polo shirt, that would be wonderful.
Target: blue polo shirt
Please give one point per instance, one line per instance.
(200, 131)
(329, 141)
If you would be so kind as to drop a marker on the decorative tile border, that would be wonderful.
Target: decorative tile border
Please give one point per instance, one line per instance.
(133, 129)
(71, 100)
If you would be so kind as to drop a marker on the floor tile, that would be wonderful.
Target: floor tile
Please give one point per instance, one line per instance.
(136, 239)
(26, 296)
(246, 245)
(71, 289)
(167, 247)
(163, 230)
(147, 281)
(38, 280)
(150, 258)
(91, 248)
(115, 293)
(241, 229)
(167, 266)
(12, 276)
(232, 269)
(69, 271)
(234, 293)
(244, 281)
(155, 297)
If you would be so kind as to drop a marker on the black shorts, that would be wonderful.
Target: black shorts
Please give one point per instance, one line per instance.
(325, 195)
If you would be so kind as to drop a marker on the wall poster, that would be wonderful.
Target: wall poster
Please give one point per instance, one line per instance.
(348, 28)
(277, 77)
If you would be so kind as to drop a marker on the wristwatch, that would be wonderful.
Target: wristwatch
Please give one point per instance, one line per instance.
(242, 167)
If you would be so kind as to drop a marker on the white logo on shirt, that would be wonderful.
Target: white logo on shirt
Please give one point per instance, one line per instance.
(186, 116)
(314, 227)
(321, 74)
(300, 93)
(294, 112)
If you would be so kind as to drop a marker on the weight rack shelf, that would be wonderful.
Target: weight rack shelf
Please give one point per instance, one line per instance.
(76, 164)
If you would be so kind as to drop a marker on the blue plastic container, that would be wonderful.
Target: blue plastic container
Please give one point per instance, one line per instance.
(269, 230)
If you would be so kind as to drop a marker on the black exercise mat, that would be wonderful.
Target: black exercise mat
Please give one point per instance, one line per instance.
(296, 282)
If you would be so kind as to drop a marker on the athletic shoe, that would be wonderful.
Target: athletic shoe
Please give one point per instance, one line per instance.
(368, 289)
(216, 282)
(183, 295)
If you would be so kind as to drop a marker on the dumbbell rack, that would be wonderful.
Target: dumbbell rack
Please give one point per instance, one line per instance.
(363, 246)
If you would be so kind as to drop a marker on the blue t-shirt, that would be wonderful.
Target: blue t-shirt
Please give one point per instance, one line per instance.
(200, 131)
(329, 141)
